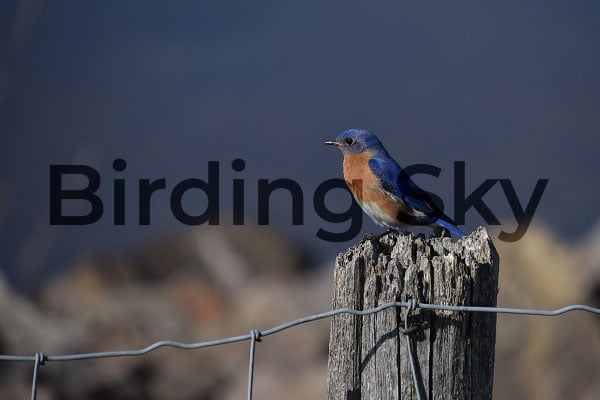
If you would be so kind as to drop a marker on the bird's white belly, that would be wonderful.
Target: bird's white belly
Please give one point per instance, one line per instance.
(378, 216)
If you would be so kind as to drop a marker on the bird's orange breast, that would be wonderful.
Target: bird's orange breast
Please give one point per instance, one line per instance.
(366, 187)
(358, 175)
(361, 179)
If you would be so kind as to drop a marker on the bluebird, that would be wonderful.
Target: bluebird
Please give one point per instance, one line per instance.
(384, 191)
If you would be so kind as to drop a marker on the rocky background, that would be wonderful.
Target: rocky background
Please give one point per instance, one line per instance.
(211, 284)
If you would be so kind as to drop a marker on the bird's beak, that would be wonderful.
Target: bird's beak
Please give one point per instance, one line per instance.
(333, 143)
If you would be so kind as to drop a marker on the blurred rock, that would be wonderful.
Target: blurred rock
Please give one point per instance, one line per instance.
(200, 286)
(545, 357)
(588, 256)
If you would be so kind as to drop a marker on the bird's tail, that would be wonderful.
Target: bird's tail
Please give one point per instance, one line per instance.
(450, 227)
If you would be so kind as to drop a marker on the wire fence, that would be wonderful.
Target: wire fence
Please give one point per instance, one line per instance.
(255, 336)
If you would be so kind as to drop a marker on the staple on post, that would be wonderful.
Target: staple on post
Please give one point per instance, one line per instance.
(40, 358)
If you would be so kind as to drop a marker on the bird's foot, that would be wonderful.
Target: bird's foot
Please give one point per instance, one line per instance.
(387, 232)
(371, 236)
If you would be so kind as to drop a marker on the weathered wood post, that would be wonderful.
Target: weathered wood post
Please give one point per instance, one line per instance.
(453, 351)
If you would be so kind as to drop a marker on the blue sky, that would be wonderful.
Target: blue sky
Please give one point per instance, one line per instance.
(511, 88)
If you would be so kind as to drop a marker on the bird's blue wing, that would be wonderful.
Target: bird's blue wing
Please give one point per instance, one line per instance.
(387, 171)
(421, 207)
(397, 183)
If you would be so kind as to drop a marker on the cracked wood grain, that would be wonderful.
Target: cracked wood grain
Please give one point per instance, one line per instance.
(454, 352)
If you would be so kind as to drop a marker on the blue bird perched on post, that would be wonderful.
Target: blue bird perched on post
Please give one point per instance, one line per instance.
(384, 191)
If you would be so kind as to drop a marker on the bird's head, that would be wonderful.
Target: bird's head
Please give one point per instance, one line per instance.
(354, 141)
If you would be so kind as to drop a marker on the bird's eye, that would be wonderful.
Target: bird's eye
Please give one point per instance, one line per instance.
(349, 141)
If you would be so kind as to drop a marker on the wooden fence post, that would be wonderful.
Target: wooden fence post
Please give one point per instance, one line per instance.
(453, 351)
